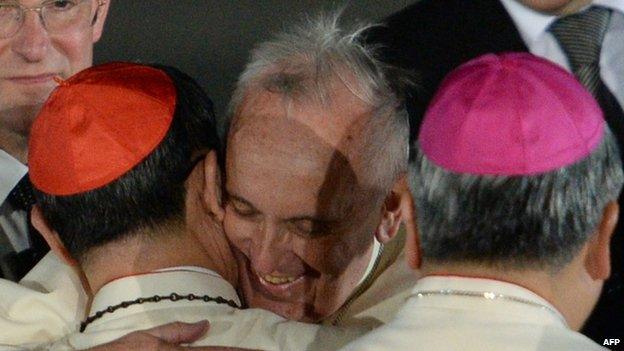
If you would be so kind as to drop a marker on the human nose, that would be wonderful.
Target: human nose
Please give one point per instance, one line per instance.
(269, 247)
(32, 40)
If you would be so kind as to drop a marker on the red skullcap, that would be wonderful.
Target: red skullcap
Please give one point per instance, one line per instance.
(98, 125)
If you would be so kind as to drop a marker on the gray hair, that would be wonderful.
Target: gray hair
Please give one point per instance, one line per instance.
(305, 63)
(518, 222)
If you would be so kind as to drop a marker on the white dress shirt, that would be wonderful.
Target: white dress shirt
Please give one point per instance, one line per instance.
(533, 27)
(13, 226)
(468, 323)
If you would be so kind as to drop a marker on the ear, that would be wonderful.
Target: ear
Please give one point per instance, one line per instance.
(412, 242)
(99, 19)
(394, 210)
(598, 257)
(212, 194)
(51, 237)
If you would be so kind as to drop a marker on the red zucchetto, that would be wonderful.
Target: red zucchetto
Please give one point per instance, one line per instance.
(97, 125)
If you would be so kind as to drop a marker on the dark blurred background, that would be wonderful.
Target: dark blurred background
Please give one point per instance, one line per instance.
(211, 39)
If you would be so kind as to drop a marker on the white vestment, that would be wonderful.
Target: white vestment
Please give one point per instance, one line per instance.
(48, 303)
(449, 321)
(60, 301)
(229, 326)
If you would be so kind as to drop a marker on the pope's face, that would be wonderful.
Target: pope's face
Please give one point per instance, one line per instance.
(295, 212)
(32, 57)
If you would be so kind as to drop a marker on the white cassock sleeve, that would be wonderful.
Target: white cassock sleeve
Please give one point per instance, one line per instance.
(46, 305)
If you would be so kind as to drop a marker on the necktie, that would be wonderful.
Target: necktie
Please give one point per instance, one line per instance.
(17, 264)
(580, 37)
(22, 196)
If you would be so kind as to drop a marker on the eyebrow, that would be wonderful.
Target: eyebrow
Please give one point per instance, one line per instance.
(239, 199)
(320, 227)
(289, 220)
(311, 219)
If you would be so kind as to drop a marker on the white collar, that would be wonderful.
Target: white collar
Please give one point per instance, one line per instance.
(371, 262)
(532, 24)
(11, 171)
(190, 269)
(458, 283)
(179, 280)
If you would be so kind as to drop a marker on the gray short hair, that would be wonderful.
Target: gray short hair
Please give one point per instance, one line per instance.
(303, 63)
(514, 221)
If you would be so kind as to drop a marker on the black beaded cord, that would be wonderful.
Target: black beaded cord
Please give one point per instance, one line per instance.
(156, 298)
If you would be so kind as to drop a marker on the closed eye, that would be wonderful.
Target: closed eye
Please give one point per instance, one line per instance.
(243, 211)
(241, 207)
(310, 227)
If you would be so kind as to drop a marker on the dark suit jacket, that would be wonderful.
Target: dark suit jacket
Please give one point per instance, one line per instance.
(431, 38)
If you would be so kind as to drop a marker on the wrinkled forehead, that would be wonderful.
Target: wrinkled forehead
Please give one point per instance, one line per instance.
(307, 133)
(286, 145)
(288, 149)
(337, 123)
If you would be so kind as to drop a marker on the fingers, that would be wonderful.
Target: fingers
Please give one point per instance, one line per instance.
(179, 332)
(213, 348)
(163, 338)
(135, 341)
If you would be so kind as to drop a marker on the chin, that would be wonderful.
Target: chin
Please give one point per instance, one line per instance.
(29, 101)
(555, 7)
(292, 310)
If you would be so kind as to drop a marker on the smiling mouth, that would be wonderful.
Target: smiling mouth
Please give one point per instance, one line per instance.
(276, 280)
(276, 286)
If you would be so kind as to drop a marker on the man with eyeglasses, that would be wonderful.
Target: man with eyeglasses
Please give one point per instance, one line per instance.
(39, 40)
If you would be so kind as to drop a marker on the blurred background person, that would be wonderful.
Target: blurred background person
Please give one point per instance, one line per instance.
(39, 40)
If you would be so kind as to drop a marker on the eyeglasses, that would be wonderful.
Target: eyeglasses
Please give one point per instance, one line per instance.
(57, 16)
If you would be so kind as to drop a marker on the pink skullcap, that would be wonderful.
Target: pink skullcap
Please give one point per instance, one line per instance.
(510, 114)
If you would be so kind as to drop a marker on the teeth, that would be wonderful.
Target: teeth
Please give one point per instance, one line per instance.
(277, 280)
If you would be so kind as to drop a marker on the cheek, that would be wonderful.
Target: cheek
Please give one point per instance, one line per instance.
(239, 232)
(348, 246)
(339, 256)
(4, 47)
(329, 255)
(75, 48)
